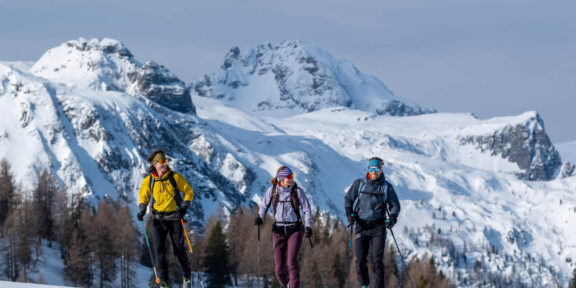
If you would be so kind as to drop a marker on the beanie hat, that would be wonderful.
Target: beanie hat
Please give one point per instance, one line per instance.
(158, 157)
(374, 163)
(282, 174)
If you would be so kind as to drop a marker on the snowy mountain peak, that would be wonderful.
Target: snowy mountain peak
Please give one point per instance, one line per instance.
(107, 65)
(294, 77)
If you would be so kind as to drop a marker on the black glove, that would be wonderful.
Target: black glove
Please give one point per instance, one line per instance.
(308, 232)
(352, 217)
(391, 222)
(140, 215)
(258, 221)
(182, 212)
(349, 215)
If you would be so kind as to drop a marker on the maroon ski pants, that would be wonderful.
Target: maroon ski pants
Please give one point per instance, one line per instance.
(286, 267)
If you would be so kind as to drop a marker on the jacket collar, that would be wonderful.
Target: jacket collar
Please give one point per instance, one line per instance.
(289, 188)
(379, 181)
(155, 174)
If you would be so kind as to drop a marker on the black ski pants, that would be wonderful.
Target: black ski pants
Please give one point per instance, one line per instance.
(373, 240)
(176, 232)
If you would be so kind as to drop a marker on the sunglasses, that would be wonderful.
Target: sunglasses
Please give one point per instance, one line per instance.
(163, 161)
(291, 176)
(374, 169)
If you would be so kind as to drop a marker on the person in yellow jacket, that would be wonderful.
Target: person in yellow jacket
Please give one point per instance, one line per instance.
(163, 187)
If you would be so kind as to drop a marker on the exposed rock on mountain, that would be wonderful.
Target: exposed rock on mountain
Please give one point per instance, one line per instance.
(525, 144)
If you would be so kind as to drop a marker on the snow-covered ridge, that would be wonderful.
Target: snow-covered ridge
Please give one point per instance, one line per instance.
(293, 77)
(107, 65)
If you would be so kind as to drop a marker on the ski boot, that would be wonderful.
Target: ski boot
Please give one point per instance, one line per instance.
(163, 285)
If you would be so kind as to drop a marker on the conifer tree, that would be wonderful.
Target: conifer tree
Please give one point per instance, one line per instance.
(23, 233)
(128, 244)
(240, 240)
(338, 270)
(391, 267)
(103, 238)
(78, 258)
(6, 192)
(10, 264)
(573, 282)
(216, 259)
(43, 201)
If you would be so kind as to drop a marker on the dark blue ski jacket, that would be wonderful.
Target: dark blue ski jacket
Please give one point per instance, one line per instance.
(372, 198)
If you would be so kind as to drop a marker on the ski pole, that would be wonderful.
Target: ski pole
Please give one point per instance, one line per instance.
(151, 256)
(316, 261)
(190, 246)
(258, 268)
(401, 257)
(185, 233)
(398, 248)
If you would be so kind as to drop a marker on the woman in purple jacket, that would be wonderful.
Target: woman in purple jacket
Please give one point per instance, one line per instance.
(286, 198)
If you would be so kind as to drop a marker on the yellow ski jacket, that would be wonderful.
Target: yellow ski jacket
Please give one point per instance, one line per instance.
(163, 193)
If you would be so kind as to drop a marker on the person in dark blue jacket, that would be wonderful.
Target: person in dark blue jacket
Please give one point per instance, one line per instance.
(376, 210)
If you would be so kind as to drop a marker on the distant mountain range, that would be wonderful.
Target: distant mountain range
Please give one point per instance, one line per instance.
(495, 190)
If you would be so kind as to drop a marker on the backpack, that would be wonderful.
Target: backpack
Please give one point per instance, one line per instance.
(294, 201)
(170, 177)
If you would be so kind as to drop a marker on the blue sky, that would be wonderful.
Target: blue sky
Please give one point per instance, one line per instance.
(488, 57)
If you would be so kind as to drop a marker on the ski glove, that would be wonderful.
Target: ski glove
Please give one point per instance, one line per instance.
(258, 221)
(308, 232)
(182, 212)
(140, 215)
(391, 222)
(352, 217)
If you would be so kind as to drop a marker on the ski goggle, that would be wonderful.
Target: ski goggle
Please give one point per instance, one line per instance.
(291, 176)
(374, 169)
(163, 161)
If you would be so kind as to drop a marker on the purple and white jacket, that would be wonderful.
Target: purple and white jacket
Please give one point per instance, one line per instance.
(285, 212)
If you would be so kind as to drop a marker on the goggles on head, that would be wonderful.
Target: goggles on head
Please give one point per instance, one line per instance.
(159, 158)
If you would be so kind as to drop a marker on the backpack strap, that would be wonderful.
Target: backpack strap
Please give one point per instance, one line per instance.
(294, 201)
(152, 180)
(177, 196)
(360, 190)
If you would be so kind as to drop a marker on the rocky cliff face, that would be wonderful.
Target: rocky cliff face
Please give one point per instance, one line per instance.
(525, 144)
(296, 77)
